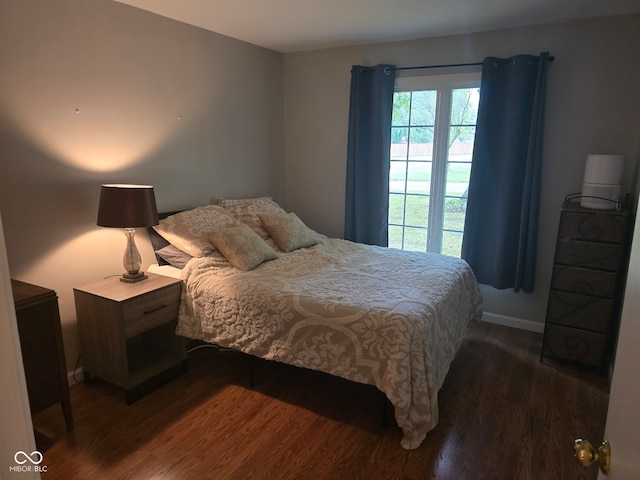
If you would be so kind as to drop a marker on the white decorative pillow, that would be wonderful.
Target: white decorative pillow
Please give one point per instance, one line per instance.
(248, 211)
(288, 231)
(242, 247)
(234, 202)
(189, 230)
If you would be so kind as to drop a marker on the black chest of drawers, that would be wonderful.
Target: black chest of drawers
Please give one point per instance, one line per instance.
(585, 297)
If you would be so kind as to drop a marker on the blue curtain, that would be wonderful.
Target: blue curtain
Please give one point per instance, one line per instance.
(367, 189)
(503, 200)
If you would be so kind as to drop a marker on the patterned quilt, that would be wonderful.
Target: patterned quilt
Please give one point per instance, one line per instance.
(373, 315)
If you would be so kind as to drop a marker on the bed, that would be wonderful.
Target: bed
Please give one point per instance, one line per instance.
(373, 315)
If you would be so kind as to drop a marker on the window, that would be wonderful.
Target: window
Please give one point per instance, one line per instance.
(432, 134)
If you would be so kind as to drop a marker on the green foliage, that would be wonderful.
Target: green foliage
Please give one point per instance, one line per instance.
(414, 116)
(401, 104)
(455, 205)
(464, 112)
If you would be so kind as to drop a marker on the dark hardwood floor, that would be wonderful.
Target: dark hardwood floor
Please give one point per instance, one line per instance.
(503, 416)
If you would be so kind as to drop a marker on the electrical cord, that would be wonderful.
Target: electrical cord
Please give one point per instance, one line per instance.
(76, 369)
(209, 345)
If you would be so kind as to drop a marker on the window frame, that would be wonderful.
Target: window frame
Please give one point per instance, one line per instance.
(443, 84)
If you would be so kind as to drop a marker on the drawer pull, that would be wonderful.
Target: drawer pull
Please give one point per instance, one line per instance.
(153, 310)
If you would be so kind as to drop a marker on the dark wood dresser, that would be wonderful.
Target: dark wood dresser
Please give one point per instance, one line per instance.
(587, 285)
(42, 349)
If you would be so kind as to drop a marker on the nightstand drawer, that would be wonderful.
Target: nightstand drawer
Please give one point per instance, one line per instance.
(155, 308)
(580, 311)
(603, 256)
(598, 228)
(584, 280)
(575, 344)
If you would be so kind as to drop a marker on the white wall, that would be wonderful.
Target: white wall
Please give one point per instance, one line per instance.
(593, 106)
(94, 91)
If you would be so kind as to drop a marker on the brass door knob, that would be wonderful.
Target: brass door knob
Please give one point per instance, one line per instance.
(586, 454)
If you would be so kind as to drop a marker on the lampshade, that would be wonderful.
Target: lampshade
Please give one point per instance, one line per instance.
(125, 206)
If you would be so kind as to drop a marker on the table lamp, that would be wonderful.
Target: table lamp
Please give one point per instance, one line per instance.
(128, 207)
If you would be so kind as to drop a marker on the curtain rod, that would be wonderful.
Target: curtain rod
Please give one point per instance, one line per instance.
(451, 65)
(439, 66)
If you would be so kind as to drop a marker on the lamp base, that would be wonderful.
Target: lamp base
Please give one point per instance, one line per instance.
(133, 277)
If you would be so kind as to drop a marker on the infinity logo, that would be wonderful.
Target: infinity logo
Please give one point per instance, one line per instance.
(28, 458)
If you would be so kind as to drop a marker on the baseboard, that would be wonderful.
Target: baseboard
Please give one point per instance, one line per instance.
(513, 322)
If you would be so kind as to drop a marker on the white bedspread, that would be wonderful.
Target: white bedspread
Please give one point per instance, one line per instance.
(373, 315)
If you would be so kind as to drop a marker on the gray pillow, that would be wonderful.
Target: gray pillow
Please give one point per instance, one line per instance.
(173, 256)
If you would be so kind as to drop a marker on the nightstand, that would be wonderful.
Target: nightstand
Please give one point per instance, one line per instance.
(40, 334)
(127, 332)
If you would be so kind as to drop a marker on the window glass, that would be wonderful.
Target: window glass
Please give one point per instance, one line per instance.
(432, 138)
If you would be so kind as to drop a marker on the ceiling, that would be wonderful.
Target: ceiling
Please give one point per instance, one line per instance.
(297, 25)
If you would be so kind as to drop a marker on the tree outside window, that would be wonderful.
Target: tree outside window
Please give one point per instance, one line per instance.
(432, 134)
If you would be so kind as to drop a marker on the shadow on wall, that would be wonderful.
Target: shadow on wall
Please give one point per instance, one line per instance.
(49, 210)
